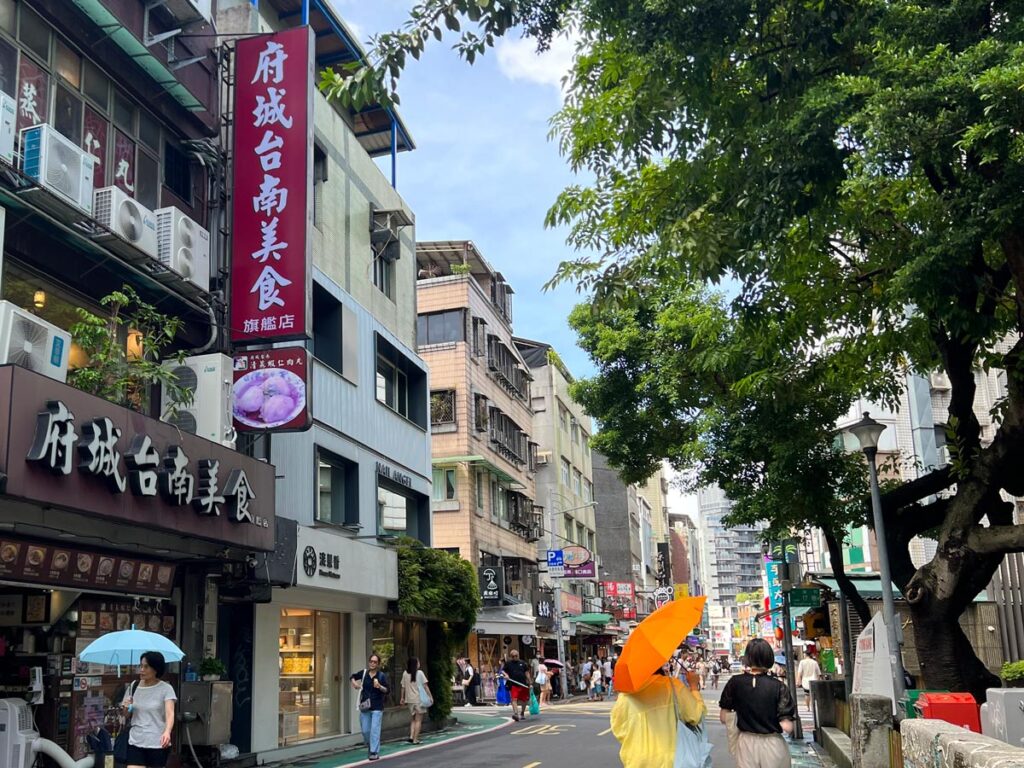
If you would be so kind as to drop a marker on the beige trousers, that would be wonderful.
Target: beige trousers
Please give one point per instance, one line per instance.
(757, 750)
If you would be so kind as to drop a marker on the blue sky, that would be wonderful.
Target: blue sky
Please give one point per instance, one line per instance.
(484, 168)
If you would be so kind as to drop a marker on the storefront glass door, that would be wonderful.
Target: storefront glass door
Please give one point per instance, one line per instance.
(309, 645)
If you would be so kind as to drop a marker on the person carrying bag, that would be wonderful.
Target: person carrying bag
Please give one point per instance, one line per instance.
(120, 750)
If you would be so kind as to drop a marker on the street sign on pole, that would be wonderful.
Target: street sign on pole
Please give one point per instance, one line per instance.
(805, 598)
(556, 564)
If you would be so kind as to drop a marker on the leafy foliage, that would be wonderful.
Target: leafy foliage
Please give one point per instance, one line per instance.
(438, 585)
(114, 374)
(851, 172)
(1012, 671)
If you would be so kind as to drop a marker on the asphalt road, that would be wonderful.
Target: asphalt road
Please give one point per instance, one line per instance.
(574, 735)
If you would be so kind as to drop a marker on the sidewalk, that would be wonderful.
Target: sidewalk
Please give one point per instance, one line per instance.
(470, 723)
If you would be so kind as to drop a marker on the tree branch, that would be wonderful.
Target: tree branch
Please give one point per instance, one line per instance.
(921, 488)
(996, 539)
(835, 556)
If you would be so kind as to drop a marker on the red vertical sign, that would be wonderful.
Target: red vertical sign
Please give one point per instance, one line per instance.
(271, 275)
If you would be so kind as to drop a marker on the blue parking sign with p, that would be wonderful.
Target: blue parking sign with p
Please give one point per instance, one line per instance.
(555, 559)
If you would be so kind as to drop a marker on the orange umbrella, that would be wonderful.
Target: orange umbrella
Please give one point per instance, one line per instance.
(654, 641)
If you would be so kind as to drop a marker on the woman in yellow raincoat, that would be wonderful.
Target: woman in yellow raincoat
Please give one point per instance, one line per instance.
(645, 722)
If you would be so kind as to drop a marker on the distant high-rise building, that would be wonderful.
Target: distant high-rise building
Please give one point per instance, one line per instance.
(732, 559)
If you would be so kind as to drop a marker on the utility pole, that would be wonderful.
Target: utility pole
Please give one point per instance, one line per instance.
(787, 644)
(557, 598)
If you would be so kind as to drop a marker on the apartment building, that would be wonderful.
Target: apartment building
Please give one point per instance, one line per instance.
(655, 491)
(358, 474)
(731, 556)
(565, 488)
(485, 456)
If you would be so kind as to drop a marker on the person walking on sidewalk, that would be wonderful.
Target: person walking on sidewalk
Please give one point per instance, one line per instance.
(372, 685)
(806, 673)
(763, 710)
(470, 682)
(518, 676)
(543, 679)
(606, 673)
(415, 695)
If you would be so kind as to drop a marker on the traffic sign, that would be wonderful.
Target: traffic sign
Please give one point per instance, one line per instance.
(805, 598)
(556, 563)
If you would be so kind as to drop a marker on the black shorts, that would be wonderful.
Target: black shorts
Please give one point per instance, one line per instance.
(151, 758)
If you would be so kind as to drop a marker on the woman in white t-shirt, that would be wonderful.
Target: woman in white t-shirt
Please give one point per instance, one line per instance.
(596, 688)
(150, 702)
(415, 694)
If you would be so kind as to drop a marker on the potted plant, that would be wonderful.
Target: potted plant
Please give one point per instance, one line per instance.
(212, 669)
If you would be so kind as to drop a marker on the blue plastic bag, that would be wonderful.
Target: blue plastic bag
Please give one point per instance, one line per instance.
(502, 695)
(693, 750)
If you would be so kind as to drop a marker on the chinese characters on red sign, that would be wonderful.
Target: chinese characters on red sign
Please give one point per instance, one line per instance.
(273, 151)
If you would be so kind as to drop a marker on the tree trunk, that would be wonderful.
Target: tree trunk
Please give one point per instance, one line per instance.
(948, 661)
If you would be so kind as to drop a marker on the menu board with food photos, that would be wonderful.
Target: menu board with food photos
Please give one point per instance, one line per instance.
(97, 616)
(61, 565)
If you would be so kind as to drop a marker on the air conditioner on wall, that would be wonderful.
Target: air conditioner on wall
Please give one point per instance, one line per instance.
(33, 343)
(126, 217)
(208, 379)
(59, 165)
(183, 246)
(8, 131)
(543, 458)
(185, 11)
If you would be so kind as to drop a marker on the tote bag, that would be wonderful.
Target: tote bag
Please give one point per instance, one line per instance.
(425, 699)
(121, 742)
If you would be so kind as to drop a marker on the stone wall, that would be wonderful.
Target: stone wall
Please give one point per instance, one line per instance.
(938, 744)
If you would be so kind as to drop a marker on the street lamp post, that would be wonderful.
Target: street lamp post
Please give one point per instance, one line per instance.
(867, 431)
(556, 593)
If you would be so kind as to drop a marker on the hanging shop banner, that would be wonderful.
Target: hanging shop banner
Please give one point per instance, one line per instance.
(65, 448)
(271, 390)
(271, 275)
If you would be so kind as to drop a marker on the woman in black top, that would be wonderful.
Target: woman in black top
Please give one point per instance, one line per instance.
(763, 708)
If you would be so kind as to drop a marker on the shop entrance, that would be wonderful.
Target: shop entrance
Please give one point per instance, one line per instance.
(309, 646)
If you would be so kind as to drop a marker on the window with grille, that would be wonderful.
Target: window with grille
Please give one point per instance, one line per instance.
(442, 407)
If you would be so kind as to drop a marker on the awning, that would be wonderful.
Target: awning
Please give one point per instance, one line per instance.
(480, 461)
(870, 587)
(593, 618)
(503, 621)
(139, 53)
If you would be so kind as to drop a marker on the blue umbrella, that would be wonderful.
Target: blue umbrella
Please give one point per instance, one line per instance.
(125, 648)
(780, 659)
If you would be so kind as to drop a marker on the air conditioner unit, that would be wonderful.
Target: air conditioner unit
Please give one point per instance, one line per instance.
(127, 218)
(543, 458)
(16, 734)
(637, 568)
(8, 131)
(183, 246)
(384, 226)
(59, 165)
(208, 380)
(534, 533)
(33, 343)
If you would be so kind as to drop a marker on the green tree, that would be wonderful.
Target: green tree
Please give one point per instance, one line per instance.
(854, 169)
(441, 587)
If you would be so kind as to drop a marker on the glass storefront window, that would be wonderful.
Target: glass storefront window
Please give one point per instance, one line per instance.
(309, 650)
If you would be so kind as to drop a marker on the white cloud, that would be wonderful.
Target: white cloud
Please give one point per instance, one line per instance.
(519, 60)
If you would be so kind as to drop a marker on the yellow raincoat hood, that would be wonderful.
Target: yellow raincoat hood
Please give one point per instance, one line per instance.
(645, 722)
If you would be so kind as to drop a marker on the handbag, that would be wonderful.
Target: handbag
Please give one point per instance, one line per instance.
(120, 750)
(364, 700)
(534, 704)
(502, 695)
(426, 700)
(693, 750)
